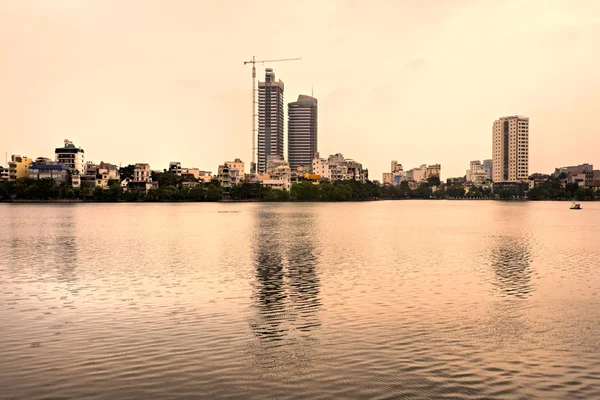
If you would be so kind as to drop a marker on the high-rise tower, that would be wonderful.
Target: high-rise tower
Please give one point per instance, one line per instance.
(302, 131)
(270, 119)
(510, 149)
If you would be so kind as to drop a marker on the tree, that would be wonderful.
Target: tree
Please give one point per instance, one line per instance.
(304, 191)
(114, 192)
(433, 180)
(126, 172)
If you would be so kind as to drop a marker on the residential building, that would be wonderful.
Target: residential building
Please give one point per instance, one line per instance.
(142, 173)
(433, 170)
(49, 170)
(387, 178)
(175, 167)
(236, 170)
(488, 166)
(302, 131)
(574, 169)
(205, 176)
(477, 174)
(274, 162)
(281, 183)
(75, 179)
(4, 174)
(520, 188)
(336, 167)
(224, 176)
(142, 178)
(71, 156)
(510, 149)
(270, 119)
(193, 173)
(19, 167)
(396, 167)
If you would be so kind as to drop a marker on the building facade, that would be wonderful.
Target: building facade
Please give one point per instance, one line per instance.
(142, 173)
(18, 167)
(488, 167)
(574, 169)
(270, 119)
(510, 149)
(175, 168)
(71, 156)
(236, 170)
(302, 131)
(4, 174)
(58, 172)
(387, 178)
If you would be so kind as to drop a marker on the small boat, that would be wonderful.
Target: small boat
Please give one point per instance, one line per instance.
(576, 206)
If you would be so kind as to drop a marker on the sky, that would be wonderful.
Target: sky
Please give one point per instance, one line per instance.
(414, 81)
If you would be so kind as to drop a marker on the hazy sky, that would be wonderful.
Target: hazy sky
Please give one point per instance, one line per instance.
(416, 81)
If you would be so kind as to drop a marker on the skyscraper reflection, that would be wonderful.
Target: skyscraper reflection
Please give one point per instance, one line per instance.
(286, 294)
(510, 258)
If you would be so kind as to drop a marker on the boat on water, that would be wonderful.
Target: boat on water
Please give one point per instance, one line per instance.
(576, 206)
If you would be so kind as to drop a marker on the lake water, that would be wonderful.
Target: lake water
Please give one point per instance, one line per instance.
(404, 299)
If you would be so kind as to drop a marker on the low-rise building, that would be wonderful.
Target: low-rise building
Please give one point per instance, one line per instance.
(236, 171)
(574, 169)
(75, 179)
(223, 176)
(387, 178)
(175, 168)
(142, 177)
(205, 176)
(19, 167)
(58, 172)
(423, 172)
(4, 174)
(338, 168)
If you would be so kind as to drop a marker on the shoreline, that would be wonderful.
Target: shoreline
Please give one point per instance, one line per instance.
(80, 201)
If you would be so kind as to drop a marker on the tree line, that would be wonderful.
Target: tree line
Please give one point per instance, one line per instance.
(173, 188)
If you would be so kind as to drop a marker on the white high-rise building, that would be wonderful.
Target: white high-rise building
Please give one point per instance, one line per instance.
(71, 156)
(510, 149)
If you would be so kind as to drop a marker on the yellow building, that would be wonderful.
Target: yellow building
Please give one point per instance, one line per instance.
(18, 167)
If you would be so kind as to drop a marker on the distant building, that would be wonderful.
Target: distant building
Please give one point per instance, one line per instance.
(477, 174)
(175, 167)
(387, 178)
(510, 149)
(142, 173)
(519, 188)
(223, 176)
(574, 169)
(338, 168)
(396, 167)
(4, 174)
(270, 119)
(302, 131)
(236, 170)
(205, 176)
(70, 156)
(423, 172)
(58, 172)
(488, 167)
(19, 167)
(75, 179)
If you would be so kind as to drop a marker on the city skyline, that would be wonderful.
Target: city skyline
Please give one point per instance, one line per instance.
(139, 93)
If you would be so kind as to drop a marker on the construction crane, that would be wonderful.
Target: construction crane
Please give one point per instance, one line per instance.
(253, 62)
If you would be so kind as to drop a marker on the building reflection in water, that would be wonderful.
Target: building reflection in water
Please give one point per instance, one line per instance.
(286, 294)
(510, 259)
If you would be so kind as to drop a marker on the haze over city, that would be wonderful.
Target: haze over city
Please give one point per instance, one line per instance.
(150, 81)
